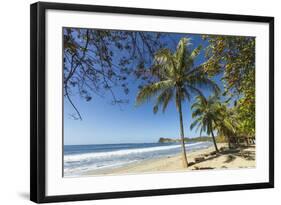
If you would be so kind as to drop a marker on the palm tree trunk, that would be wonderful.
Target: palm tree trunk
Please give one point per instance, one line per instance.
(229, 142)
(184, 158)
(214, 140)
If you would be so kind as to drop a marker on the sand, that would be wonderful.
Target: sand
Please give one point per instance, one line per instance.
(232, 159)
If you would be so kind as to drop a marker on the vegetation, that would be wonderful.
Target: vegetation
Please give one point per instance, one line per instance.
(96, 61)
(207, 114)
(228, 126)
(234, 57)
(186, 140)
(178, 79)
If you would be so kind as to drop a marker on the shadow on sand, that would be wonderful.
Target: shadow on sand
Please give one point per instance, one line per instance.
(231, 155)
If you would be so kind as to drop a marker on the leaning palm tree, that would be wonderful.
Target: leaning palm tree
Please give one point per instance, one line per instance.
(208, 116)
(228, 125)
(175, 79)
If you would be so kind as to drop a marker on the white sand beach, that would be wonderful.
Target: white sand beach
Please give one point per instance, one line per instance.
(200, 159)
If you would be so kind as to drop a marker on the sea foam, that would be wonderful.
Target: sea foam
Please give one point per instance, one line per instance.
(75, 163)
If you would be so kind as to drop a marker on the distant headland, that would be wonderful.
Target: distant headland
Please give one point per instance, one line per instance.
(195, 139)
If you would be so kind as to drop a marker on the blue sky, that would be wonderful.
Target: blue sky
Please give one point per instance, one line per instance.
(104, 123)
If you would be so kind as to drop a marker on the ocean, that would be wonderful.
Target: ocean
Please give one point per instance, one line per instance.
(83, 158)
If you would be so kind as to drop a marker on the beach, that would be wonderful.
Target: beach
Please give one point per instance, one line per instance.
(199, 159)
(149, 92)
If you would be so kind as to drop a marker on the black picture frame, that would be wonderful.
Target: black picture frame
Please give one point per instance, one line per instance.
(38, 101)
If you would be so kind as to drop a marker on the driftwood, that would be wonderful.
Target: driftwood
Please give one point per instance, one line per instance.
(191, 163)
(202, 168)
(199, 159)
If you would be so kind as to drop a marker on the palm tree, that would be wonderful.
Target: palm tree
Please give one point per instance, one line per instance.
(208, 114)
(176, 78)
(228, 125)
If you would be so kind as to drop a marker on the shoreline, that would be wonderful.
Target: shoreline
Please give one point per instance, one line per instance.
(198, 160)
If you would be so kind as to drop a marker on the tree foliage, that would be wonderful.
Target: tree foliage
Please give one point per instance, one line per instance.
(177, 79)
(208, 115)
(234, 57)
(96, 61)
(176, 75)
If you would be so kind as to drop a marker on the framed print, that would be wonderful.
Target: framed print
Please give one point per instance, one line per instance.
(129, 102)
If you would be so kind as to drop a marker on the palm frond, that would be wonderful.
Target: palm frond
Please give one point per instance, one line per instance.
(197, 112)
(201, 80)
(152, 90)
(211, 84)
(194, 123)
(155, 109)
(163, 99)
(195, 90)
(165, 63)
(167, 99)
(198, 69)
(182, 54)
(196, 52)
(186, 94)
